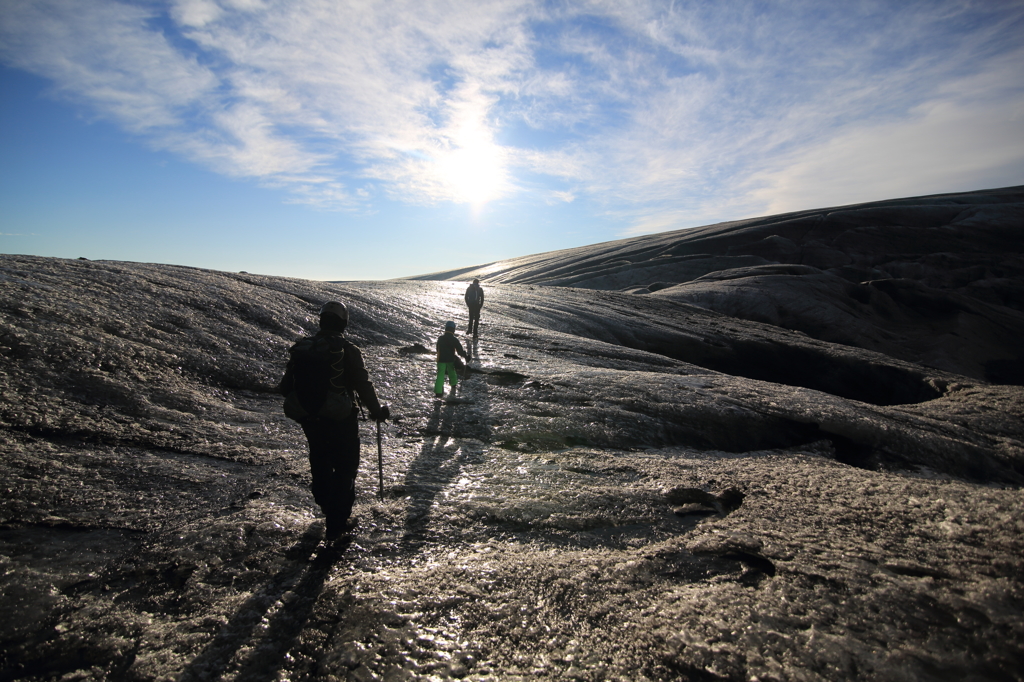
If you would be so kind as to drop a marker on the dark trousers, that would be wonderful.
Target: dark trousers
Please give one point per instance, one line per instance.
(334, 463)
(474, 320)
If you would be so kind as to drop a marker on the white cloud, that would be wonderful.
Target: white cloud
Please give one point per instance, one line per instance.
(665, 113)
(195, 13)
(943, 147)
(857, 125)
(101, 54)
(288, 92)
(358, 80)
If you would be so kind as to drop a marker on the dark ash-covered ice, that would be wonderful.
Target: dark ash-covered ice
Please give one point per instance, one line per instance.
(625, 487)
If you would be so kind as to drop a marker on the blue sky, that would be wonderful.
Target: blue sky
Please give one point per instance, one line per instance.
(340, 140)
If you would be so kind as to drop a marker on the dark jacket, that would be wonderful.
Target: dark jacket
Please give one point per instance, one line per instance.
(447, 346)
(475, 296)
(355, 377)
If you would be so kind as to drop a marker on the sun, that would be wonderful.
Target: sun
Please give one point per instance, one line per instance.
(474, 175)
(473, 168)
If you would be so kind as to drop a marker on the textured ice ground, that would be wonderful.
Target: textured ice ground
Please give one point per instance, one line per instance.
(620, 490)
(936, 280)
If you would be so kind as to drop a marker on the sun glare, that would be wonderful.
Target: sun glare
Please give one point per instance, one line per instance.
(473, 171)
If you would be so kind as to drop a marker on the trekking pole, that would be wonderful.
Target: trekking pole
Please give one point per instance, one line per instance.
(380, 463)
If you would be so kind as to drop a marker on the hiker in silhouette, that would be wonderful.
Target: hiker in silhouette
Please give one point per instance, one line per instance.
(447, 346)
(324, 371)
(475, 301)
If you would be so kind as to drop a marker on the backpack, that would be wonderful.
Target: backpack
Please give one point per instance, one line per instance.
(318, 391)
(474, 295)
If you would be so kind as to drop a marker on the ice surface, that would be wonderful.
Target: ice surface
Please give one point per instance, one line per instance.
(935, 280)
(157, 522)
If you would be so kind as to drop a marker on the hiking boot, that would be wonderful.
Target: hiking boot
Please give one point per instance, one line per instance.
(336, 527)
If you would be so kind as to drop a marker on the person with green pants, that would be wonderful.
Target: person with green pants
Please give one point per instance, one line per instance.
(447, 346)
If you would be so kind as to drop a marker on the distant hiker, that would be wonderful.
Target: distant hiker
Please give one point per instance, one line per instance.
(323, 372)
(447, 346)
(475, 301)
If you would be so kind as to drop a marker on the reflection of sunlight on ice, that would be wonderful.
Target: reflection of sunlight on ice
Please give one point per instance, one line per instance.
(495, 267)
(544, 490)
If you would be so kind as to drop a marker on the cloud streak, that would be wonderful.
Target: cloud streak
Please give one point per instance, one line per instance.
(664, 114)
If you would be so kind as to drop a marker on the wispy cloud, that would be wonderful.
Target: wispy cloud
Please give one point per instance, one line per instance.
(102, 54)
(946, 144)
(666, 114)
(838, 112)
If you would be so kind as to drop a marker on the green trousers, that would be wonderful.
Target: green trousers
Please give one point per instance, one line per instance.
(442, 369)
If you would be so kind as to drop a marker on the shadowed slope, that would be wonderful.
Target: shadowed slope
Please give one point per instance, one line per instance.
(936, 280)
